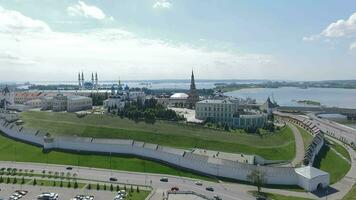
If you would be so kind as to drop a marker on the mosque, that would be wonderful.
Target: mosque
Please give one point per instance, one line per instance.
(83, 85)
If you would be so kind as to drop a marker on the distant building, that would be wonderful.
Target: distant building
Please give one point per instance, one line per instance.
(193, 96)
(227, 112)
(6, 98)
(121, 95)
(70, 103)
(83, 85)
(181, 100)
(269, 106)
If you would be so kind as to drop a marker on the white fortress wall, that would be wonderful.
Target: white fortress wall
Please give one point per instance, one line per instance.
(177, 157)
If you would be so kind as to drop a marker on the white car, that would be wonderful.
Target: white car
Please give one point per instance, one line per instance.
(198, 183)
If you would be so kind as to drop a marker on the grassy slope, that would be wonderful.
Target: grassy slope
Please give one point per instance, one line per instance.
(277, 146)
(307, 137)
(351, 195)
(327, 160)
(340, 149)
(12, 150)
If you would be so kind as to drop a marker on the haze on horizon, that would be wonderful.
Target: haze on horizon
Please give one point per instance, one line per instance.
(165, 39)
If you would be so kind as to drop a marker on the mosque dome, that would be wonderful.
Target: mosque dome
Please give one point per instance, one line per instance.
(179, 96)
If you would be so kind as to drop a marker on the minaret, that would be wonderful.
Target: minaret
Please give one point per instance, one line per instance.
(92, 80)
(96, 80)
(83, 80)
(79, 81)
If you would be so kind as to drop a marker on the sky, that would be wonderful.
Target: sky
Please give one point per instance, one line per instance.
(51, 40)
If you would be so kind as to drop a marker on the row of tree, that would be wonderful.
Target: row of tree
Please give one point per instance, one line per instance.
(148, 110)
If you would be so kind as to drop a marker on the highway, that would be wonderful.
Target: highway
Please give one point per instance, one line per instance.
(153, 180)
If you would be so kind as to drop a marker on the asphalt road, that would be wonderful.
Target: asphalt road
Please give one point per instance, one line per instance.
(153, 180)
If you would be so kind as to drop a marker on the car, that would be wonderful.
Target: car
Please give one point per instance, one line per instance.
(113, 179)
(198, 183)
(217, 197)
(69, 168)
(122, 192)
(210, 189)
(260, 198)
(164, 179)
(175, 189)
(23, 192)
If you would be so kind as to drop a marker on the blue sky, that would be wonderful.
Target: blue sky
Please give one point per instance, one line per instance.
(165, 39)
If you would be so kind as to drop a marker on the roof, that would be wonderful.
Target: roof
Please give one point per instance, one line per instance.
(270, 104)
(179, 96)
(310, 172)
(217, 101)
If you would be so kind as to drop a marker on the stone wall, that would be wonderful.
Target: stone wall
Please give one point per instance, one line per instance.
(175, 157)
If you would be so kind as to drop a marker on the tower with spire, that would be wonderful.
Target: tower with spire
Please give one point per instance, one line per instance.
(193, 97)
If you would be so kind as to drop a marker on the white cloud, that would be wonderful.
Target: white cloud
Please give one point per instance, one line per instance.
(115, 52)
(340, 28)
(88, 11)
(162, 4)
(14, 22)
(353, 46)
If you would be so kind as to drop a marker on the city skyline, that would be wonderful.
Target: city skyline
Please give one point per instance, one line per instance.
(166, 39)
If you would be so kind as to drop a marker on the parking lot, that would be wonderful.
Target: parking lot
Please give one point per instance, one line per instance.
(64, 193)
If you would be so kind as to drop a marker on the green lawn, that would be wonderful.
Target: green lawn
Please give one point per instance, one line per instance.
(11, 150)
(327, 160)
(56, 183)
(340, 149)
(278, 196)
(275, 146)
(351, 195)
(307, 137)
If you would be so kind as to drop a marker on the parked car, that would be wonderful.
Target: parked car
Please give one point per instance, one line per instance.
(113, 179)
(210, 189)
(175, 188)
(217, 197)
(198, 183)
(69, 168)
(164, 179)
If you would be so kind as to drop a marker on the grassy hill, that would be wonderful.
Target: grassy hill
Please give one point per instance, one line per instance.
(275, 146)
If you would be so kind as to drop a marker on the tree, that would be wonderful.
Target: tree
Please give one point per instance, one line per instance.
(257, 178)
(23, 180)
(97, 186)
(75, 185)
(111, 188)
(34, 182)
(1, 179)
(89, 186)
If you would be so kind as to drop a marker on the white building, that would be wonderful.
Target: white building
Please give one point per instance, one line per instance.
(120, 96)
(312, 179)
(226, 111)
(70, 103)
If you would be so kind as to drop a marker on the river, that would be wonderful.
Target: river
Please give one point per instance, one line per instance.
(287, 96)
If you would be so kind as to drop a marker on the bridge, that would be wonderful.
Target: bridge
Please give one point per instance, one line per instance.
(348, 112)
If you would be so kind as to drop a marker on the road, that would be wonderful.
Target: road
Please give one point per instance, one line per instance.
(153, 180)
(299, 145)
